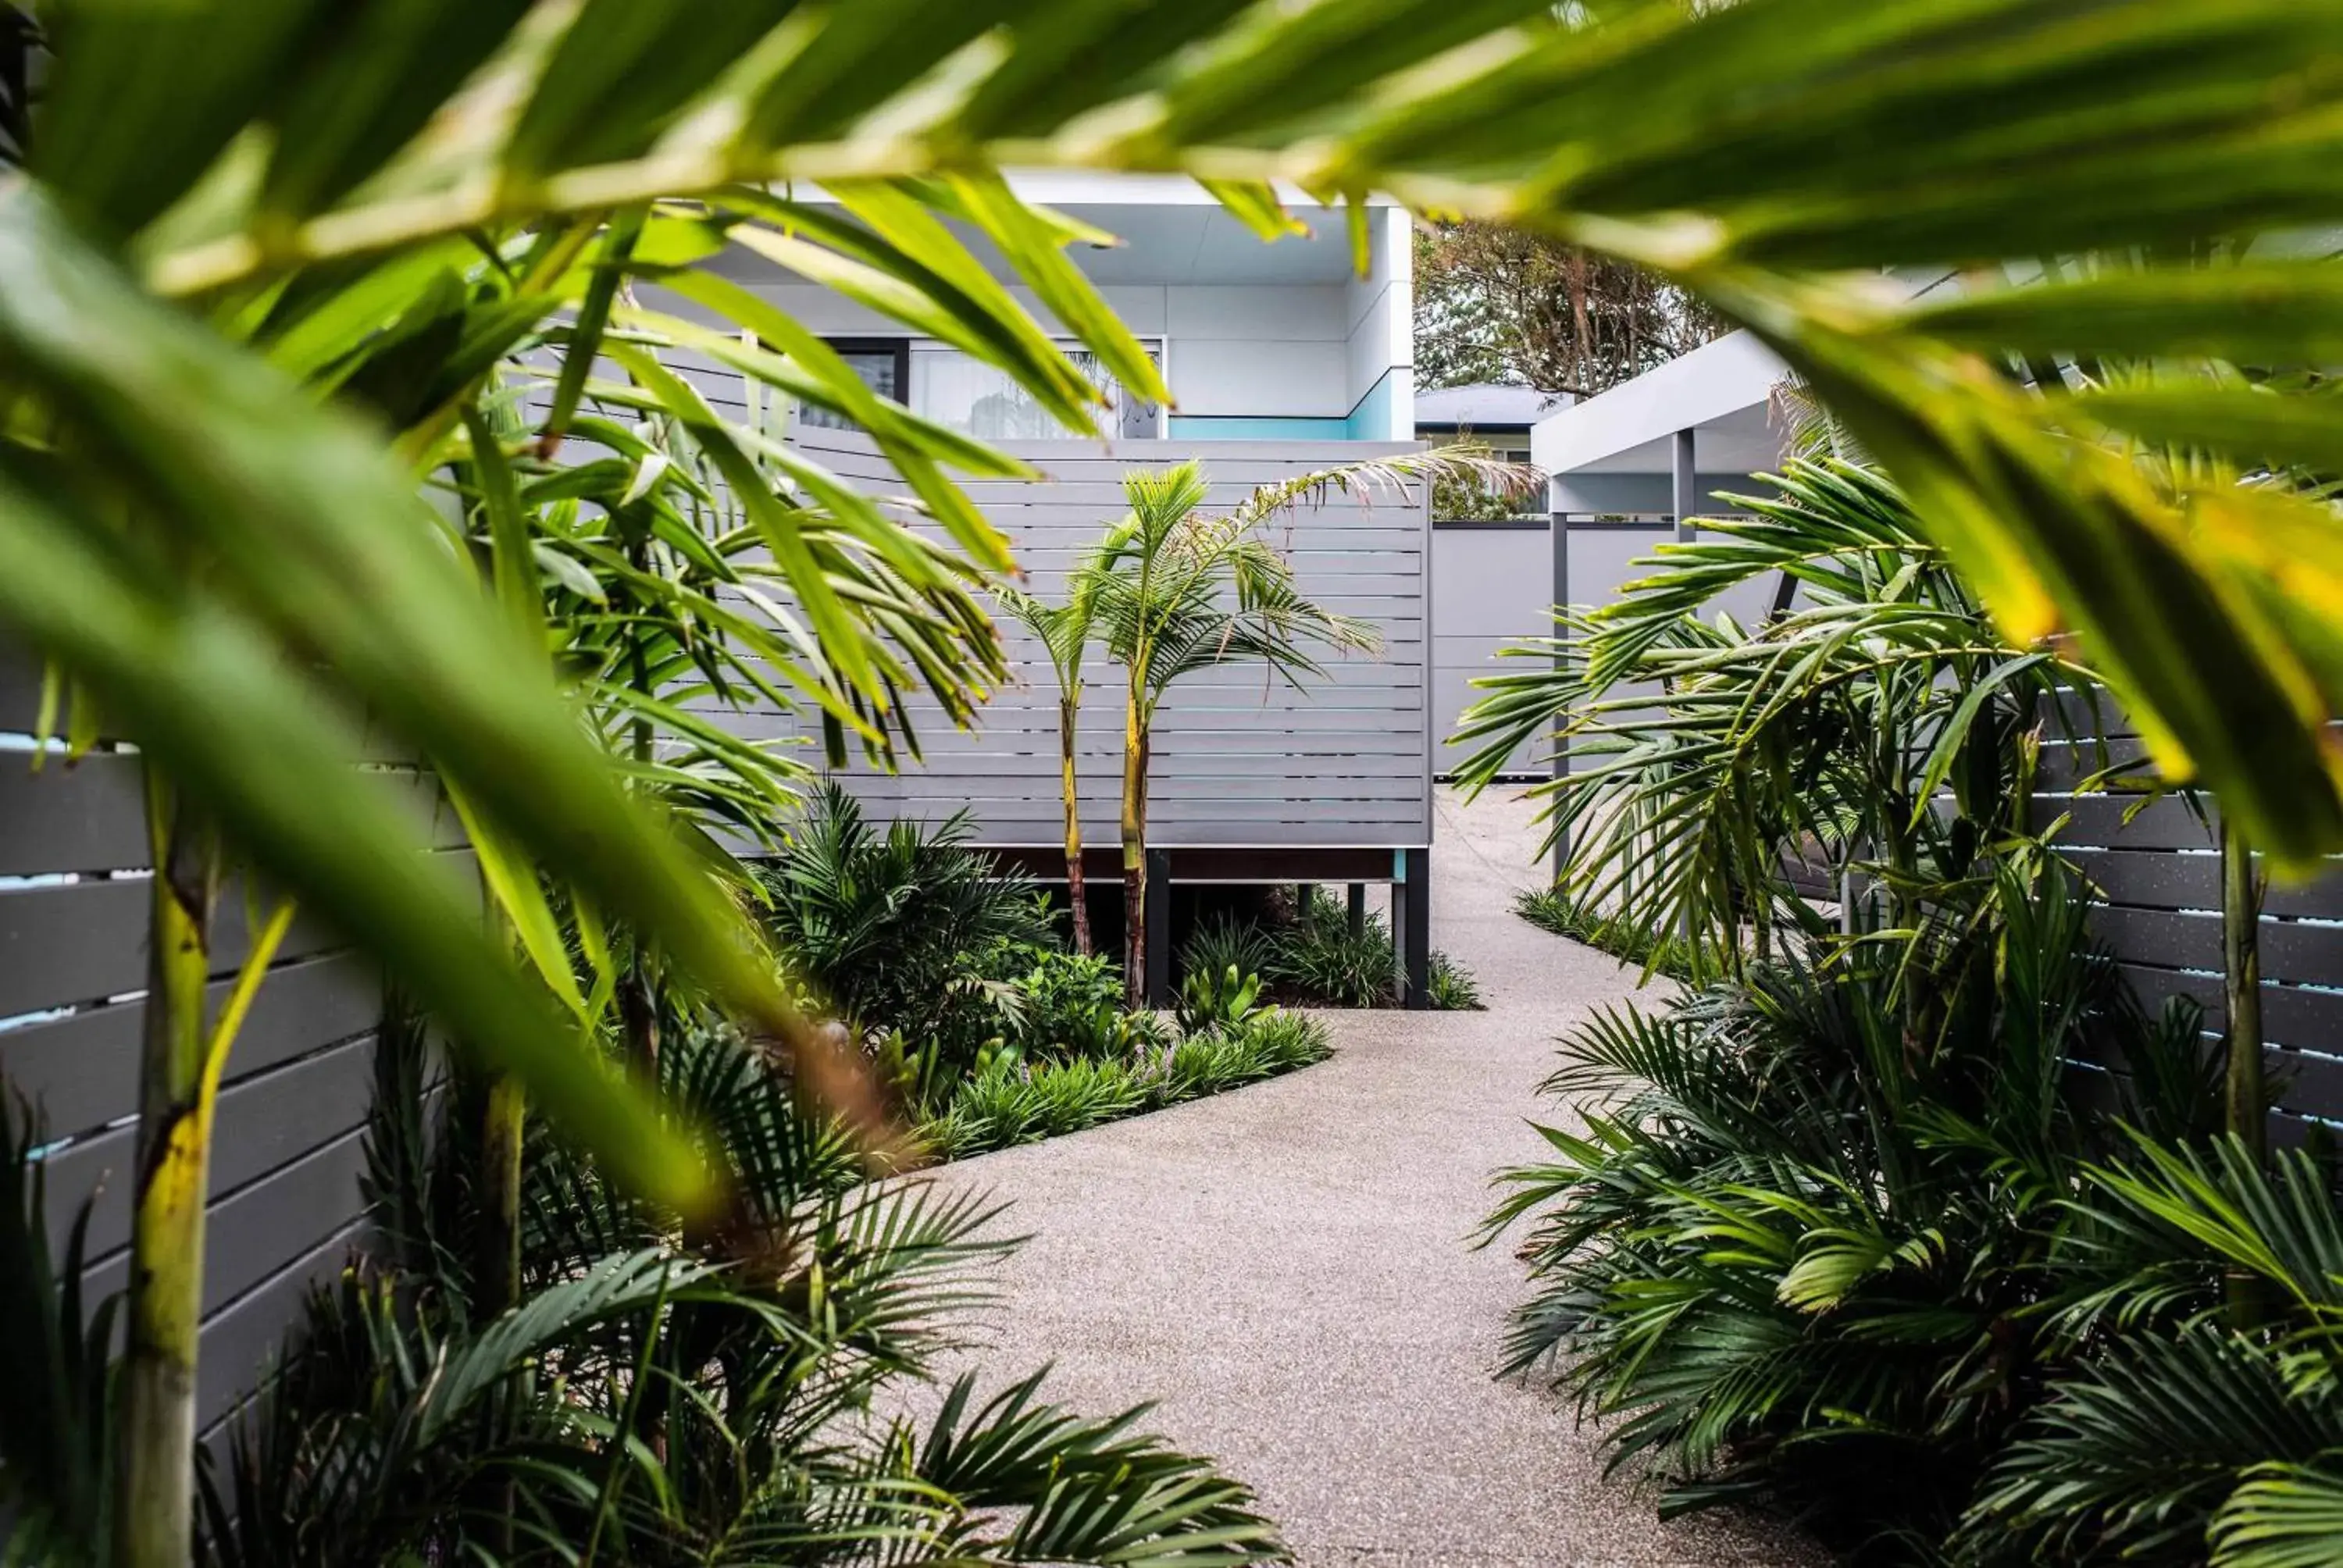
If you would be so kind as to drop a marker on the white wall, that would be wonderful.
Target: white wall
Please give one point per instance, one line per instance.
(1252, 350)
(1257, 350)
(1380, 339)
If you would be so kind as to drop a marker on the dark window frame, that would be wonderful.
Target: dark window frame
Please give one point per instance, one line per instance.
(897, 348)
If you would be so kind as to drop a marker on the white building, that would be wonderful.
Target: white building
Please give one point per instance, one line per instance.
(1662, 445)
(1282, 358)
(1259, 341)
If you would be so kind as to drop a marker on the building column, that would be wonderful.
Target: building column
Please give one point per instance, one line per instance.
(1687, 484)
(1412, 924)
(1558, 534)
(1358, 908)
(1159, 928)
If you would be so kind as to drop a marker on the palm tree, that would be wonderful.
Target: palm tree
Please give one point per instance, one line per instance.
(1064, 632)
(1878, 718)
(1174, 591)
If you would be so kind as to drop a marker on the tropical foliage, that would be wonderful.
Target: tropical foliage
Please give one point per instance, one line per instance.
(1009, 1102)
(1805, 1252)
(1499, 303)
(944, 968)
(1909, 1217)
(895, 927)
(270, 269)
(731, 1395)
(1707, 756)
(1311, 956)
(1171, 592)
(1552, 910)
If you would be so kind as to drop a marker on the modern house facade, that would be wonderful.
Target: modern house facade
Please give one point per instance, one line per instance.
(1283, 341)
(1626, 469)
(1660, 447)
(1282, 359)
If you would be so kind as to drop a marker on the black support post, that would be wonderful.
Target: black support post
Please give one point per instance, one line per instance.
(1159, 928)
(1686, 485)
(1559, 534)
(1358, 908)
(1412, 924)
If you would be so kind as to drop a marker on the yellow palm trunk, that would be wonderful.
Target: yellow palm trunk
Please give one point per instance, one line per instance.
(1134, 854)
(1077, 894)
(155, 1473)
(497, 1266)
(178, 1097)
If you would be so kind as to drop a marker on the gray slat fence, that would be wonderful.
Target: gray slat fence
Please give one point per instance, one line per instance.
(2157, 867)
(1496, 585)
(1239, 761)
(285, 1199)
(2160, 872)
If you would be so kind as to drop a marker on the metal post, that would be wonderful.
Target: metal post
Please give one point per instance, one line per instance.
(1687, 503)
(1687, 484)
(1412, 925)
(1159, 928)
(1358, 909)
(1558, 535)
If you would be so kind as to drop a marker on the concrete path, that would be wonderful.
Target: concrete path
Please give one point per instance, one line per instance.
(1287, 1270)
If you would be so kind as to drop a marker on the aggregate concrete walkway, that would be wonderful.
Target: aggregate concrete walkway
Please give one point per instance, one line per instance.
(1287, 1270)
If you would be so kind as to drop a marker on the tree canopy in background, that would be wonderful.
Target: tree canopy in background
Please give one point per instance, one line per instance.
(1498, 304)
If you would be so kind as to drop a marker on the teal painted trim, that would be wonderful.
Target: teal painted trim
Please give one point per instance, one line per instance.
(1370, 420)
(1248, 427)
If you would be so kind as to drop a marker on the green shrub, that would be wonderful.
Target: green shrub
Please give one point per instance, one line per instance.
(1067, 1004)
(902, 929)
(1319, 958)
(1011, 1101)
(1851, 1195)
(1552, 910)
(1226, 942)
(1269, 1042)
(1216, 1001)
(1009, 1104)
(2184, 1430)
(1451, 986)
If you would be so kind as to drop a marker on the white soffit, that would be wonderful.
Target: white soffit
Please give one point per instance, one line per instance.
(1173, 230)
(1719, 389)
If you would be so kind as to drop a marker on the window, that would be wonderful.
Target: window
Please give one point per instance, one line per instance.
(951, 389)
(881, 362)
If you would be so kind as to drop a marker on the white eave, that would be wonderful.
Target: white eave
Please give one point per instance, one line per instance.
(1721, 390)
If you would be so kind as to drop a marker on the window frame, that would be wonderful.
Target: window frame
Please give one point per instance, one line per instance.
(899, 349)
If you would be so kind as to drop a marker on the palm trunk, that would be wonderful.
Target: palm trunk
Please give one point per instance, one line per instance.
(638, 1001)
(1077, 894)
(155, 1513)
(2241, 909)
(496, 1268)
(2241, 906)
(1134, 857)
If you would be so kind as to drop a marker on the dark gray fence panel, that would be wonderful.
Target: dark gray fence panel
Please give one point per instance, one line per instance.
(73, 897)
(2157, 864)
